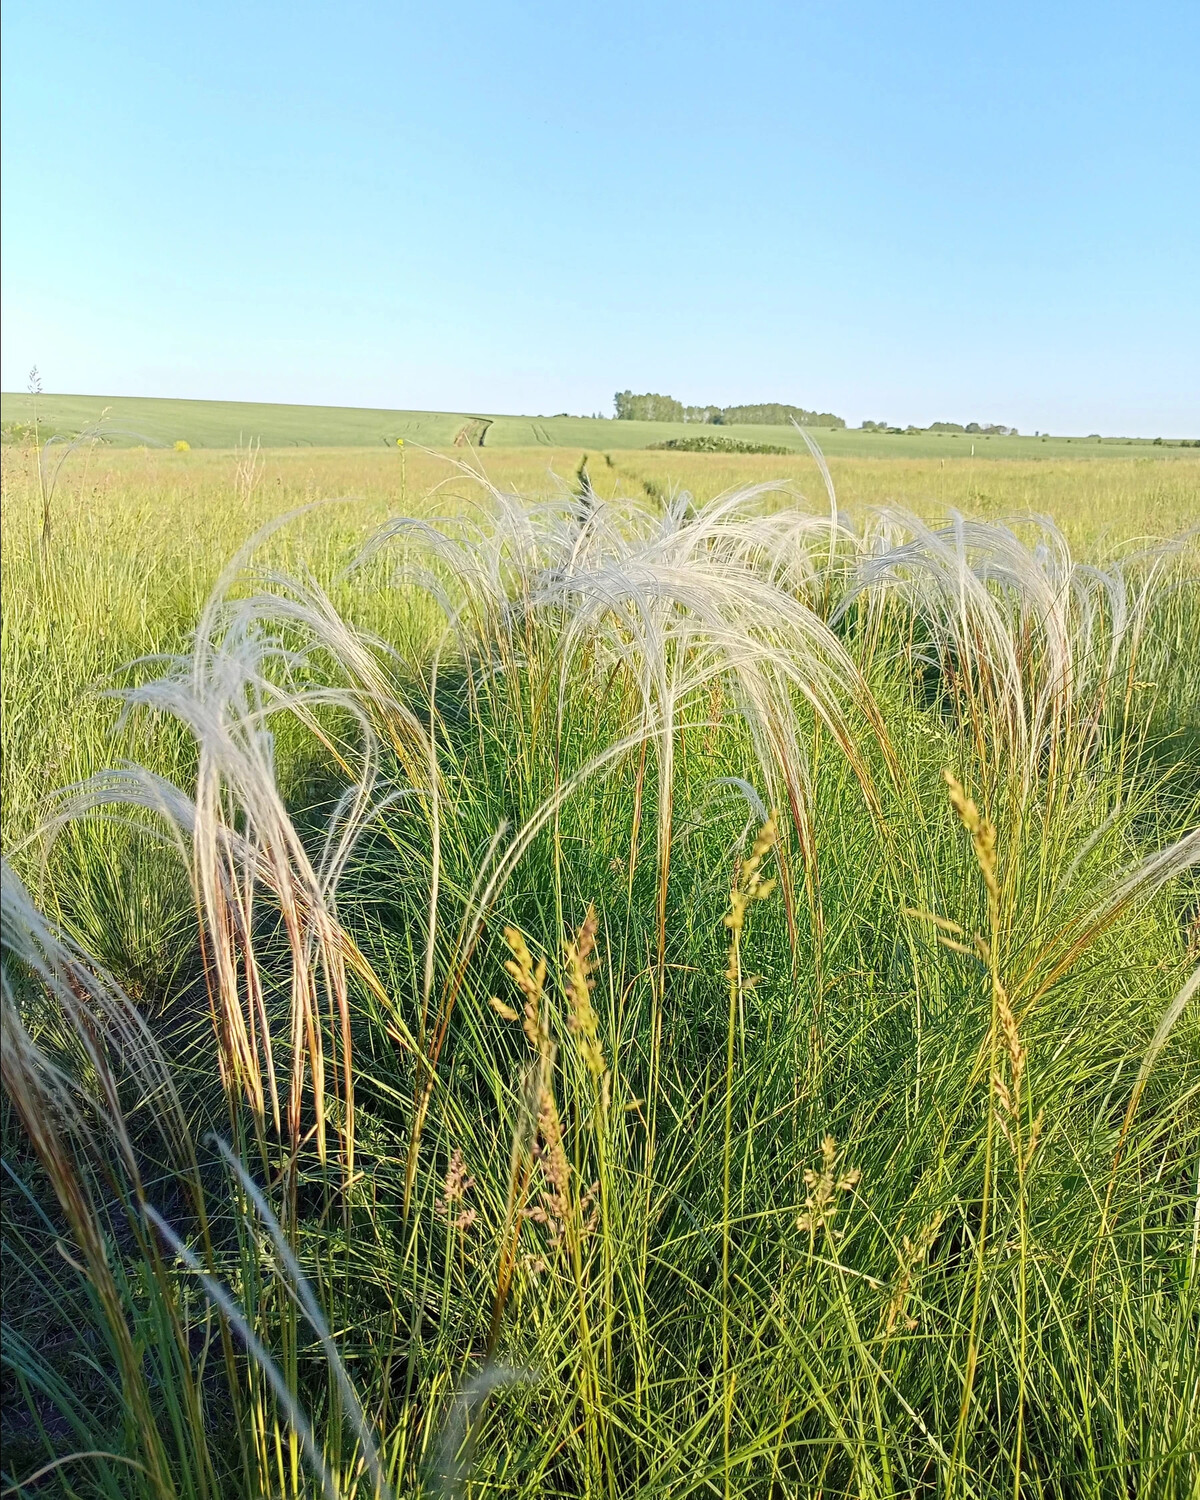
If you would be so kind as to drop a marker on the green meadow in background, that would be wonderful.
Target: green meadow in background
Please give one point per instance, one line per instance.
(130, 420)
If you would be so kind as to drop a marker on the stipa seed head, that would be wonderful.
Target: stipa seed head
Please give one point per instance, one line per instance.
(983, 835)
(553, 1158)
(589, 1211)
(1012, 1038)
(749, 885)
(910, 1257)
(457, 1182)
(530, 978)
(823, 1185)
(456, 1186)
(553, 1211)
(582, 1020)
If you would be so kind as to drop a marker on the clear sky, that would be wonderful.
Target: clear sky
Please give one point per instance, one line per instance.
(903, 211)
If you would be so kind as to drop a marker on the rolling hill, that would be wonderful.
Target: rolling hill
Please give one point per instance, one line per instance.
(130, 421)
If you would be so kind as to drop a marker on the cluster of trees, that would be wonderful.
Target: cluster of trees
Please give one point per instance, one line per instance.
(985, 429)
(648, 408)
(652, 407)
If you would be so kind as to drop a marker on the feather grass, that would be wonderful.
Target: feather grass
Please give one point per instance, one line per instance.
(997, 1296)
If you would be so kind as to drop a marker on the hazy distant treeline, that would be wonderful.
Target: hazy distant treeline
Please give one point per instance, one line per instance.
(652, 407)
(988, 429)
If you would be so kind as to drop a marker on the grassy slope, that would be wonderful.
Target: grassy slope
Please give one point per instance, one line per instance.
(222, 424)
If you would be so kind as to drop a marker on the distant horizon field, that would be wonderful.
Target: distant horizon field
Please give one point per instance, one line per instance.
(135, 420)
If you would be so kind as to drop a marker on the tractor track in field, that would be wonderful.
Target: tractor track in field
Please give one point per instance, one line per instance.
(473, 433)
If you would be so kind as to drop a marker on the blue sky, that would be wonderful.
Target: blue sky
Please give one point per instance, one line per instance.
(907, 212)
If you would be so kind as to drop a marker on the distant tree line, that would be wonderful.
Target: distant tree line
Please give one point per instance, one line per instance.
(988, 429)
(774, 414)
(985, 429)
(652, 407)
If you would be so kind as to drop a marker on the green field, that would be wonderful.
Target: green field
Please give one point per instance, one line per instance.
(500, 998)
(223, 424)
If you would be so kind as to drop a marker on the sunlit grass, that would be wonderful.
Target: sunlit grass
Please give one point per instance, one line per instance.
(551, 1170)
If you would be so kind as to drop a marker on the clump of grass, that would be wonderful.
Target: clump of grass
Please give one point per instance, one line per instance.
(454, 1070)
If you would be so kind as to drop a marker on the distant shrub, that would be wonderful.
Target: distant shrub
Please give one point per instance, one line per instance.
(22, 432)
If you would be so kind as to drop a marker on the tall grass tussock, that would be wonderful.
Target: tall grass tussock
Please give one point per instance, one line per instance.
(593, 996)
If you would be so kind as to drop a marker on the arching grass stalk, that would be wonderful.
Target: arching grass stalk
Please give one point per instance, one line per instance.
(748, 886)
